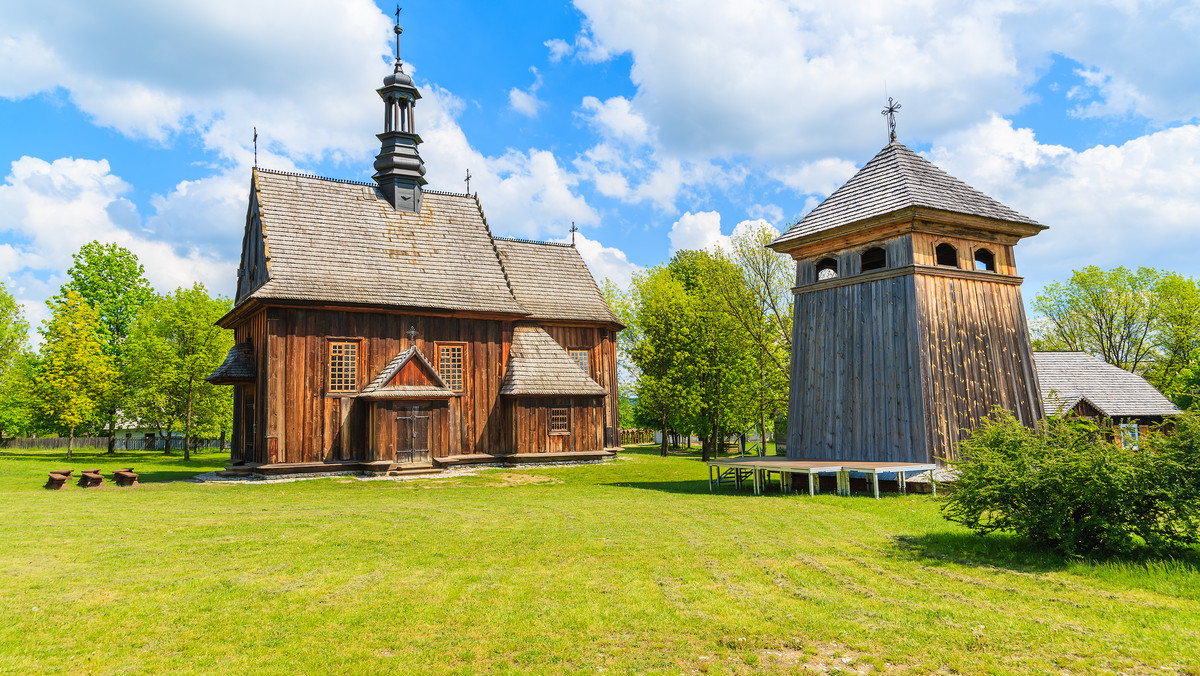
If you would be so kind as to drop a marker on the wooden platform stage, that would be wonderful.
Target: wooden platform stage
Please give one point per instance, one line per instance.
(759, 468)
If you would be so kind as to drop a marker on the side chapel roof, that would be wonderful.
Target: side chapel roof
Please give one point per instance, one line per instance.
(539, 366)
(1068, 377)
(551, 281)
(895, 179)
(332, 240)
(238, 366)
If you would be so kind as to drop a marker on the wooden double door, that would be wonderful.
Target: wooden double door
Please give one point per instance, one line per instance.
(408, 431)
(413, 423)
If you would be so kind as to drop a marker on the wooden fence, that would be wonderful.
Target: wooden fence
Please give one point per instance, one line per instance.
(121, 443)
(629, 437)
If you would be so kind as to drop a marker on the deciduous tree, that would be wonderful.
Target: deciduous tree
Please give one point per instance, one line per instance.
(74, 373)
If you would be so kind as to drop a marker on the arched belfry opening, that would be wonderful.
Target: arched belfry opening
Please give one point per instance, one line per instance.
(922, 334)
(946, 255)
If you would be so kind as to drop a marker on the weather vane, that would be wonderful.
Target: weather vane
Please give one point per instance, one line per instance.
(398, 30)
(468, 181)
(890, 114)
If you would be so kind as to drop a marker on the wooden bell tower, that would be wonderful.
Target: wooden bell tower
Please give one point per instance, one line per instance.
(909, 324)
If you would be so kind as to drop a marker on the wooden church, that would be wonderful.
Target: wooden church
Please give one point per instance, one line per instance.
(909, 325)
(380, 326)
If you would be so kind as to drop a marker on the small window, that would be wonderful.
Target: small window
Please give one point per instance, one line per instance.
(450, 364)
(343, 367)
(874, 258)
(984, 260)
(560, 421)
(947, 255)
(581, 357)
(826, 269)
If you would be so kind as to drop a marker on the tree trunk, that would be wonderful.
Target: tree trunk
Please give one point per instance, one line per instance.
(663, 449)
(112, 431)
(187, 425)
(222, 441)
(168, 443)
(70, 441)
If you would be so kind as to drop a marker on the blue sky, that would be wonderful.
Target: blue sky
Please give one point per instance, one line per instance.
(654, 126)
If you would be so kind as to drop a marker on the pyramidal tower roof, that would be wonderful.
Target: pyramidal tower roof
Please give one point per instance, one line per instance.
(894, 180)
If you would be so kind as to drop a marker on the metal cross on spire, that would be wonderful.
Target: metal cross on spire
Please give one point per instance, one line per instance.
(398, 30)
(468, 179)
(256, 147)
(890, 114)
(574, 229)
(412, 335)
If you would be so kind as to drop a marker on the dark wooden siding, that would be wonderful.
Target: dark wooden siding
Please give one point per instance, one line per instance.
(855, 390)
(530, 425)
(975, 355)
(299, 422)
(602, 361)
(253, 330)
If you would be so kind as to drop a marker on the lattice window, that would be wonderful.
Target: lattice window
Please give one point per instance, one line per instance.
(343, 367)
(560, 421)
(450, 365)
(581, 358)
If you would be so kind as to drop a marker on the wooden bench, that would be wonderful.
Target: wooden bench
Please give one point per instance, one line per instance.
(58, 479)
(125, 477)
(91, 478)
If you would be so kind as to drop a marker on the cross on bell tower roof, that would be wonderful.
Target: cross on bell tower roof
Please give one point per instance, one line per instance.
(890, 114)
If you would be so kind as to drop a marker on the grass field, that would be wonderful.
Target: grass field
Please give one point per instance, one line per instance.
(629, 566)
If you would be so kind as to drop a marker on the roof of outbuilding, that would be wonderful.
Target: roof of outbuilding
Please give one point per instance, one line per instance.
(897, 178)
(238, 366)
(1067, 377)
(539, 366)
(552, 282)
(333, 240)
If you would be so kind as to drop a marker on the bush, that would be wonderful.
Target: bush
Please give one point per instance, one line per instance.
(1067, 487)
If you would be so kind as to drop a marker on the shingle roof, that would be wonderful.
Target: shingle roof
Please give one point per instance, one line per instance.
(378, 388)
(332, 240)
(897, 178)
(1067, 377)
(539, 366)
(551, 281)
(238, 365)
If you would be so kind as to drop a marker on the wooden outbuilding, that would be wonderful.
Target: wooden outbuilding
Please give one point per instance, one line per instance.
(381, 326)
(909, 324)
(1077, 383)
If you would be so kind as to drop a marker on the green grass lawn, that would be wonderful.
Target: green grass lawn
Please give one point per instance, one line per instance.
(629, 566)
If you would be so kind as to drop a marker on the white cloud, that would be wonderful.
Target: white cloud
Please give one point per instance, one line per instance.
(700, 230)
(50, 209)
(615, 119)
(1134, 204)
(559, 49)
(525, 101)
(523, 193)
(821, 177)
(604, 262)
(771, 213)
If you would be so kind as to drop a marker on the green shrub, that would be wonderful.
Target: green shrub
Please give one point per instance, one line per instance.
(1067, 487)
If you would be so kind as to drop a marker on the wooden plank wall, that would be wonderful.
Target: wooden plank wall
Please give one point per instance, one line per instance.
(855, 388)
(975, 355)
(253, 330)
(312, 426)
(602, 361)
(530, 425)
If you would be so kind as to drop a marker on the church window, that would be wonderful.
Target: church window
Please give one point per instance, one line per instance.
(580, 357)
(874, 258)
(343, 366)
(826, 269)
(946, 255)
(560, 421)
(985, 260)
(450, 364)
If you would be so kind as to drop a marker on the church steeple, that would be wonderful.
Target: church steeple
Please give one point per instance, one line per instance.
(399, 170)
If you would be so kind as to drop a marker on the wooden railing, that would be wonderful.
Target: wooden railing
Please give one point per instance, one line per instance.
(630, 437)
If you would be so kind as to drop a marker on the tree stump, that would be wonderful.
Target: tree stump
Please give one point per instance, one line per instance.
(91, 478)
(58, 479)
(125, 477)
